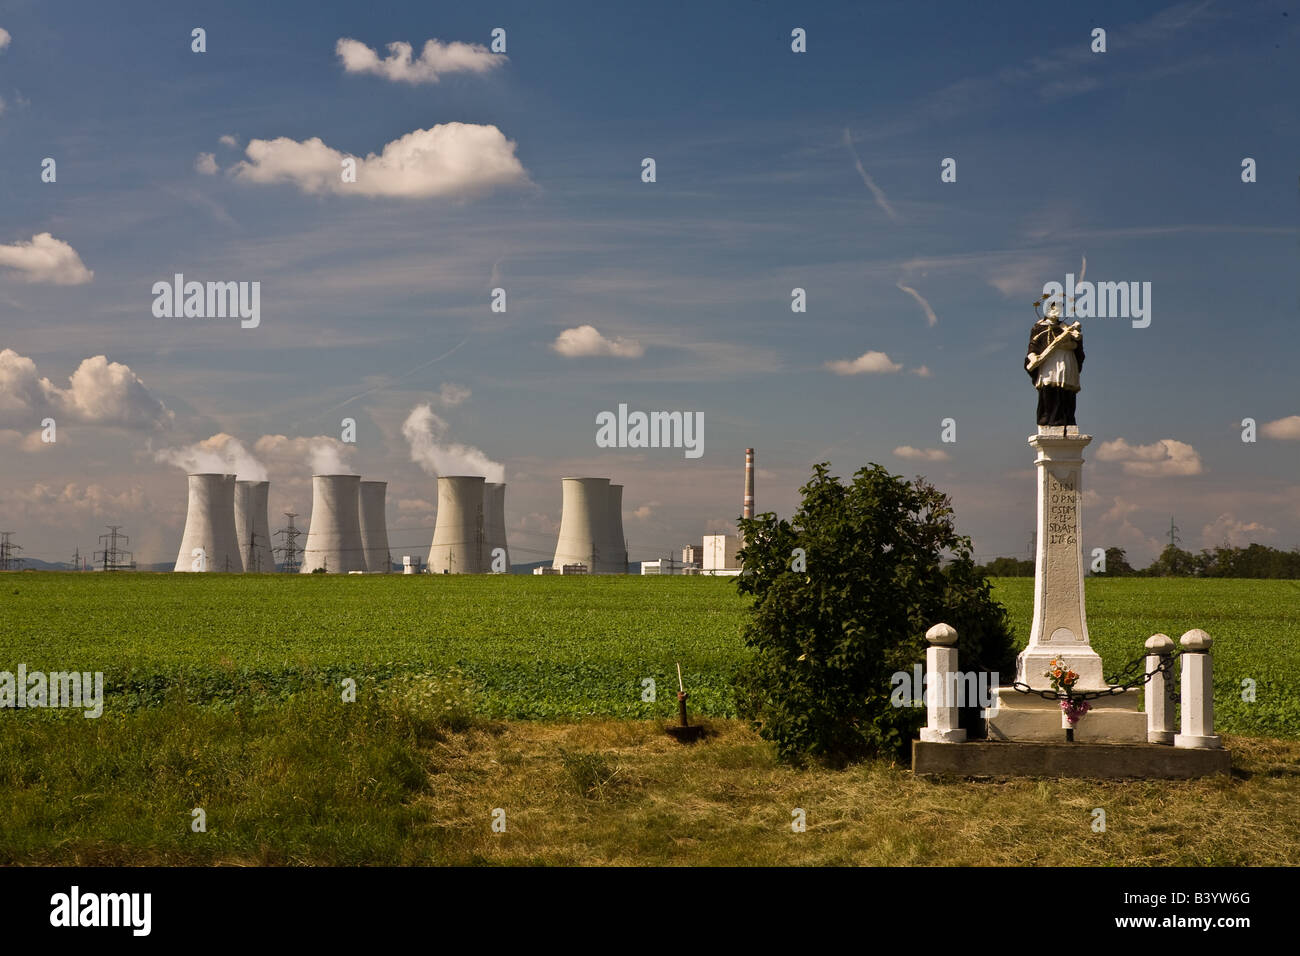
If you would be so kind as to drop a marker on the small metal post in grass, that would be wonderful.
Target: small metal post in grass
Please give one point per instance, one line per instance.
(683, 732)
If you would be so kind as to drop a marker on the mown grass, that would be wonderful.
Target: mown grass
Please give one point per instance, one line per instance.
(548, 647)
(312, 780)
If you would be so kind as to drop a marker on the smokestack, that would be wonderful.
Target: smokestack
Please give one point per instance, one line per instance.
(616, 549)
(210, 526)
(252, 525)
(586, 536)
(494, 523)
(458, 534)
(748, 511)
(334, 541)
(374, 527)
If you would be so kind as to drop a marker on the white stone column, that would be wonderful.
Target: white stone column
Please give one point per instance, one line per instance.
(1197, 694)
(940, 693)
(1060, 627)
(1160, 708)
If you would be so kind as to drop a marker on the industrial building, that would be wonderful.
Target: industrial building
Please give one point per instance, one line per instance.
(459, 531)
(210, 541)
(334, 539)
(374, 527)
(494, 526)
(591, 527)
(252, 525)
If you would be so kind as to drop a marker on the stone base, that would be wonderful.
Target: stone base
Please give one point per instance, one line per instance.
(1197, 742)
(1104, 761)
(955, 736)
(1032, 664)
(1028, 717)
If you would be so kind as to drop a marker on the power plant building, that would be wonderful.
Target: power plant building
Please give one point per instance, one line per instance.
(459, 534)
(374, 527)
(252, 526)
(334, 539)
(494, 526)
(210, 541)
(591, 527)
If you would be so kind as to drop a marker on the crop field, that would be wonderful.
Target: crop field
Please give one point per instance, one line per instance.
(549, 647)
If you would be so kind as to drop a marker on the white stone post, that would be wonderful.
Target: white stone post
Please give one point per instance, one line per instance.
(1197, 694)
(940, 671)
(1160, 707)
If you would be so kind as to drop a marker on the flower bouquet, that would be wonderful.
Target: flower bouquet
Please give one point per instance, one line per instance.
(1063, 680)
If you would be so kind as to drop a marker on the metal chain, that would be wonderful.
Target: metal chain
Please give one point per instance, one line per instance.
(1118, 685)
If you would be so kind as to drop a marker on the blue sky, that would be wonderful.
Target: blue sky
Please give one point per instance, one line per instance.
(1130, 158)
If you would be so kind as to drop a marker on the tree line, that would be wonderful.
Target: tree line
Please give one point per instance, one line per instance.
(1252, 561)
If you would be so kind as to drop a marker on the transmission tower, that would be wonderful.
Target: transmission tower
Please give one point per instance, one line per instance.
(113, 557)
(8, 561)
(1174, 540)
(290, 549)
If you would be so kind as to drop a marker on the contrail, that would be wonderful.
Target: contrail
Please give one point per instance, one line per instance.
(881, 199)
(396, 380)
(930, 317)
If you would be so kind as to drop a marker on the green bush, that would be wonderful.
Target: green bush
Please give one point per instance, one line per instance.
(881, 564)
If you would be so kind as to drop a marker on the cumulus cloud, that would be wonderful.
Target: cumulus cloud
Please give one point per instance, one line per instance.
(99, 392)
(431, 449)
(221, 454)
(1237, 534)
(229, 140)
(4, 38)
(585, 340)
(867, 362)
(70, 504)
(450, 394)
(921, 454)
(434, 60)
(45, 259)
(646, 511)
(1160, 459)
(450, 159)
(1287, 429)
(206, 163)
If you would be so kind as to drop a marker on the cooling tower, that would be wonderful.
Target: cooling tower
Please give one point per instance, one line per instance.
(494, 523)
(210, 525)
(615, 551)
(252, 529)
(459, 533)
(585, 536)
(374, 527)
(334, 540)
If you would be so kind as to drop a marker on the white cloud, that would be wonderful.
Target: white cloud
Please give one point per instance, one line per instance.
(1287, 429)
(930, 317)
(220, 454)
(921, 454)
(1236, 533)
(867, 362)
(922, 371)
(1163, 458)
(229, 140)
(426, 434)
(4, 38)
(45, 259)
(450, 394)
(646, 511)
(206, 163)
(585, 340)
(99, 392)
(450, 159)
(434, 60)
(325, 455)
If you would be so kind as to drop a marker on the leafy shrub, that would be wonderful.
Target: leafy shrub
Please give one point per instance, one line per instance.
(883, 563)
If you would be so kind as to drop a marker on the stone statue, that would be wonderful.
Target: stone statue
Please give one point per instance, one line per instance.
(1053, 361)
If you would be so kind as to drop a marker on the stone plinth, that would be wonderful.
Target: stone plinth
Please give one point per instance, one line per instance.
(1031, 718)
(1060, 627)
(1098, 760)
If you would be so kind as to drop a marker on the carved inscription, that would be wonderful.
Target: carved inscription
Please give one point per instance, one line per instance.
(1062, 511)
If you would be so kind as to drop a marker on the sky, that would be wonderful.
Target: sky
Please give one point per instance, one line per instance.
(522, 170)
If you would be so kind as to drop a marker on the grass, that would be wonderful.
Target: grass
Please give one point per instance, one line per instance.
(549, 647)
(312, 780)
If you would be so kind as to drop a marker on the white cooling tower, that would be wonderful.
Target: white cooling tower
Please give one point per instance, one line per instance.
(252, 525)
(334, 541)
(494, 524)
(585, 536)
(616, 550)
(374, 527)
(210, 526)
(458, 533)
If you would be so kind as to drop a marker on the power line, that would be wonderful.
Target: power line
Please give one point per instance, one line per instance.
(113, 557)
(290, 548)
(8, 562)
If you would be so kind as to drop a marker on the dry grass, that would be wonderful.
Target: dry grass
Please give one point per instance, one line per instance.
(727, 802)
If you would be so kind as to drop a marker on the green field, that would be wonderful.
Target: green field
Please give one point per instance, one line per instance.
(549, 647)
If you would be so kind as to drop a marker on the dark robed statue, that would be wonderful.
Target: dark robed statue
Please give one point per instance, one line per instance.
(1053, 361)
